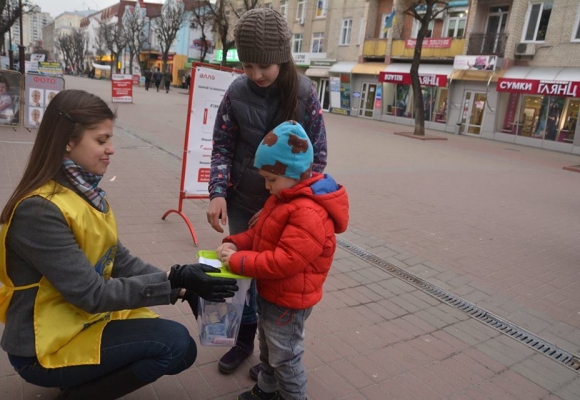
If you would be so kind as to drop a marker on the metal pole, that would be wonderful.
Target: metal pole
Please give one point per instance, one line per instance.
(21, 46)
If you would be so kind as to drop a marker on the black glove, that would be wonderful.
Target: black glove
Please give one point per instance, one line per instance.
(193, 277)
(193, 300)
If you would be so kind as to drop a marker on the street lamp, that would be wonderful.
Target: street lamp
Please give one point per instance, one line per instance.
(21, 46)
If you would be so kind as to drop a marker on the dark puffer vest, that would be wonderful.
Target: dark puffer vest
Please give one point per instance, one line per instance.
(255, 110)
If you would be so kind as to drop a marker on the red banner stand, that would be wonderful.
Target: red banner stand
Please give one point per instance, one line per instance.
(182, 194)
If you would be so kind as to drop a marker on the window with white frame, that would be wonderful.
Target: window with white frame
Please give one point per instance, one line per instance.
(317, 42)
(297, 42)
(345, 32)
(537, 19)
(576, 30)
(321, 8)
(455, 24)
(284, 8)
(300, 11)
(417, 25)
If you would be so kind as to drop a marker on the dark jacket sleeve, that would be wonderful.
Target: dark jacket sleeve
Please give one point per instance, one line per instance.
(225, 134)
(40, 235)
(316, 130)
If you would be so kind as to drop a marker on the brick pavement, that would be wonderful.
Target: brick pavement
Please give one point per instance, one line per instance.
(492, 222)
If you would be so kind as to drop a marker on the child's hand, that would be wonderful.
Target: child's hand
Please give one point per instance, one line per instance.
(226, 254)
(223, 247)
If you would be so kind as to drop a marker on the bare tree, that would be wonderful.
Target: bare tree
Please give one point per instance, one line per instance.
(79, 47)
(203, 20)
(115, 41)
(10, 11)
(100, 42)
(167, 25)
(64, 44)
(424, 11)
(134, 21)
(221, 10)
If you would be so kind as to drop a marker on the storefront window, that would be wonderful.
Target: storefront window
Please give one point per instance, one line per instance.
(541, 117)
(440, 111)
(403, 103)
(569, 121)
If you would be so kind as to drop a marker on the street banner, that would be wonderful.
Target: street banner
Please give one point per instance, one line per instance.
(39, 90)
(208, 87)
(122, 88)
(430, 43)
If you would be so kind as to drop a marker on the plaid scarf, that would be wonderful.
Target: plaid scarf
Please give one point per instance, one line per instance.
(86, 183)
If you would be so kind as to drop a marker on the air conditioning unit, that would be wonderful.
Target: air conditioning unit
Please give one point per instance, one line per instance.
(525, 49)
(441, 15)
(301, 21)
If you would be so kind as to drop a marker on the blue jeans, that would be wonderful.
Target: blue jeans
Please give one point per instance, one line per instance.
(281, 333)
(153, 347)
(238, 222)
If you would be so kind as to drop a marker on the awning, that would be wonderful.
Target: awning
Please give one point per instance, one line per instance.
(543, 73)
(549, 81)
(343, 67)
(317, 72)
(429, 74)
(478, 76)
(99, 66)
(369, 68)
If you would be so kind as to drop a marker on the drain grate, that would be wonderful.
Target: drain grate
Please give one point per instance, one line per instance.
(569, 360)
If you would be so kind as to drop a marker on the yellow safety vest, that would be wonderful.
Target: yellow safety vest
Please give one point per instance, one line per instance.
(64, 334)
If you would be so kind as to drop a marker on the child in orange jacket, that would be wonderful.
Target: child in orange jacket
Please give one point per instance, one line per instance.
(289, 252)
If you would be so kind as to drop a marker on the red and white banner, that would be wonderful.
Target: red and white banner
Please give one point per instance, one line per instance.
(404, 78)
(430, 43)
(122, 88)
(532, 86)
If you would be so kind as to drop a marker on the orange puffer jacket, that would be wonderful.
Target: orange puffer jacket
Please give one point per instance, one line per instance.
(290, 249)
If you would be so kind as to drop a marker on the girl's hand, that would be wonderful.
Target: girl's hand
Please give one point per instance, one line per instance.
(226, 254)
(217, 212)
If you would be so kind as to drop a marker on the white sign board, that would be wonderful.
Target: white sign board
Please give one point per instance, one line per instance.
(208, 88)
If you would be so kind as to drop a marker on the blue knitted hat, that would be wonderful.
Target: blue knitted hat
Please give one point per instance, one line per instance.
(286, 151)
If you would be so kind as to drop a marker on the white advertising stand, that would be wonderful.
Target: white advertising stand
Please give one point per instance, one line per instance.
(208, 86)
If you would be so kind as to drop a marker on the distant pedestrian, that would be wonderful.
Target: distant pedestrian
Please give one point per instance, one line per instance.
(167, 78)
(187, 81)
(157, 76)
(148, 74)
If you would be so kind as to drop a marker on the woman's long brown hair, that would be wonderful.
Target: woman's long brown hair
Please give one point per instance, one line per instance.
(67, 116)
(288, 82)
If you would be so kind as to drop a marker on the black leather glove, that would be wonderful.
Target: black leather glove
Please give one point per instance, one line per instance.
(193, 277)
(193, 300)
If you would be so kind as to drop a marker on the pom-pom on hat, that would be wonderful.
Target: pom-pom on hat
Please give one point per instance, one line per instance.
(286, 151)
(263, 37)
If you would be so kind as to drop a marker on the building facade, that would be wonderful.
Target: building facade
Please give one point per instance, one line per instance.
(32, 30)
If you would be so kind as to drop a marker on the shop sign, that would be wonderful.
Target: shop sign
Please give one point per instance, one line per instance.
(322, 63)
(547, 88)
(341, 111)
(404, 78)
(231, 57)
(306, 59)
(430, 43)
(480, 63)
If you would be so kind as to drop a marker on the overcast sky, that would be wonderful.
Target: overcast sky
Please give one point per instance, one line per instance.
(57, 7)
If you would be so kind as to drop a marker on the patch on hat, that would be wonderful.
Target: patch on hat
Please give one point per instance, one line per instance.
(286, 151)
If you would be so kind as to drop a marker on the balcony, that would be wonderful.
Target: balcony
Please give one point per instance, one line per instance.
(375, 48)
(402, 50)
(487, 44)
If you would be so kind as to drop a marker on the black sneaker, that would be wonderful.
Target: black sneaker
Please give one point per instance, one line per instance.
(254, 371)
(257, 394)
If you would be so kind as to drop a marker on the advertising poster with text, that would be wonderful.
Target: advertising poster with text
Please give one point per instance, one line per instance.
(39, 90)
(122, 88)
(209, 87)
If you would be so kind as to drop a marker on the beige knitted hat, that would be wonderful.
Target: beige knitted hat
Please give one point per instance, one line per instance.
(263, 37)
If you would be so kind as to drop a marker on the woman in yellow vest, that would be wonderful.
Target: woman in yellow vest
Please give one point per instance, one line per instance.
(72, 297)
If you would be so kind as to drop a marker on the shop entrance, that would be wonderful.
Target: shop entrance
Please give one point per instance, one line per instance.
(324, 94)
(367, 100)
(472, 112)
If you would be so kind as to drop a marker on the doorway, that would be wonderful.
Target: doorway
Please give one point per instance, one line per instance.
(496, 24)
(472, 112)
(367, 100)
(324, 94)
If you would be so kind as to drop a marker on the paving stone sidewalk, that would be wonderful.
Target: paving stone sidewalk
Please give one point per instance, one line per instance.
(494, 223)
